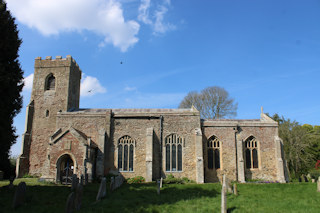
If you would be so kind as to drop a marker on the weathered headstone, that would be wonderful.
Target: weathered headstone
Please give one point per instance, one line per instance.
(313, 180)
(70, 203)
(318, 184)
(229, 186)
(235, 189)
(305, 178)
(116, 182)
(19, 195)
(75, 182)
(158, 186)
(78, 197)
(1, 175)
(224, 195)
(102, 189)
(161, 179)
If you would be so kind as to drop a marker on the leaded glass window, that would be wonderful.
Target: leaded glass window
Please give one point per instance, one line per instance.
(213, 149)
(251, 153)
(126, 153)
(174, 144)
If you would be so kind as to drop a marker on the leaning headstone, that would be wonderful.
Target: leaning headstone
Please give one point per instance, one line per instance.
(75, 182)
(102, 189)
(224, 195)
(158, 186)
(235, 189)
(70, 203)
(116, 182)
(318, 184)
(1, 175)
(161, 179)
(20, 195)
(78, 197)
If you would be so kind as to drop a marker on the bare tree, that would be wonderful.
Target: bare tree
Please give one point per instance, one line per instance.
(212, 103)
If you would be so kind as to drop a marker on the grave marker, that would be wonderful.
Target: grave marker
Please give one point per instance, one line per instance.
(19, 195)
(224, 195)
(70, 203)
(102, 189)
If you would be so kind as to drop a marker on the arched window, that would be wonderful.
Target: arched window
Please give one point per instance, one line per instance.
(126, 153)
(173, 144)
(50, 82)
(251, 153)
(213, 147)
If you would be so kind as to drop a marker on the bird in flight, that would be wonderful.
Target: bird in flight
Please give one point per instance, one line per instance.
(121, 62)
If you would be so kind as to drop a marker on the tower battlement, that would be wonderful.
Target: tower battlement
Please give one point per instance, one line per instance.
(58, 61)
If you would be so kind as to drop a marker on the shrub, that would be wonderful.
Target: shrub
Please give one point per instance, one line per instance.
(138, 179)
(29, 176)
(170, 179)
(315, 174)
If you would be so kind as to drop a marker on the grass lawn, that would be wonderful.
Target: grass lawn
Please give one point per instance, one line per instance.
(44, 197)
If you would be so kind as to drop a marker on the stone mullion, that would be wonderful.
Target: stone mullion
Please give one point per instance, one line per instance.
(122, 157)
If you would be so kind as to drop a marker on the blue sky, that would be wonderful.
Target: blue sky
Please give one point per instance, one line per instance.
(264, 53)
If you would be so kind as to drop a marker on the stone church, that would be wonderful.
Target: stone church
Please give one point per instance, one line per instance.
(61, 139)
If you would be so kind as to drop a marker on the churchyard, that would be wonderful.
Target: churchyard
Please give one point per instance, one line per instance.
(252, 197)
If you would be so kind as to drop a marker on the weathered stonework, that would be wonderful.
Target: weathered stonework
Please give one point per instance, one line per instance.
(97, 141)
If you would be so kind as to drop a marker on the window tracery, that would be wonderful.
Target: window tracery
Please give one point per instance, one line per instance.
(126, 153)
(173, 144)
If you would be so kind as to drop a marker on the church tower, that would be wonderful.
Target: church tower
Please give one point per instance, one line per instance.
(56, 88)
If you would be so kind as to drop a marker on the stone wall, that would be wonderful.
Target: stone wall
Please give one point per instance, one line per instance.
(232, 132)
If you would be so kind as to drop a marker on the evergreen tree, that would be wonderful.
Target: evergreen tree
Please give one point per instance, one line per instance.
(11, 83)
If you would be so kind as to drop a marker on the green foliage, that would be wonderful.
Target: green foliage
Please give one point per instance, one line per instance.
(170, 179)
(29, 176)
(315, 173)
(138, 179)
(301, 145)
(11, 84)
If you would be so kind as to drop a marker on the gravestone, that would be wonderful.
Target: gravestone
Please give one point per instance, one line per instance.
(102, 189)
(229, 185)
(78, 197)
(75, 182)
(318, 184)
(70, 203)
(158, 186)
(116, 182)
(224, 195)
(305, 178)
(235, 189)
(313, 180)
(19, 195)
(161, 179)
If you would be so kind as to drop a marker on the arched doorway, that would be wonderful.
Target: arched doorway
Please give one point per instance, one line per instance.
(65, 169)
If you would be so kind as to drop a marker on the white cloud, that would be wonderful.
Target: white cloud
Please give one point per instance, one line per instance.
(28, 81)
(91, 86)
(156, 21)
(144, 12)
(128, 89)
(104, 17)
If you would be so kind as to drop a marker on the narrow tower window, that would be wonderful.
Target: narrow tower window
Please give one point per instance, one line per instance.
(51, 82)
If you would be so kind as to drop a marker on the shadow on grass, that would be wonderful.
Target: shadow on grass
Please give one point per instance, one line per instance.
(144, 197)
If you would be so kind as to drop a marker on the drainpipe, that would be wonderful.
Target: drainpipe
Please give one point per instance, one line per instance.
(161, 127)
